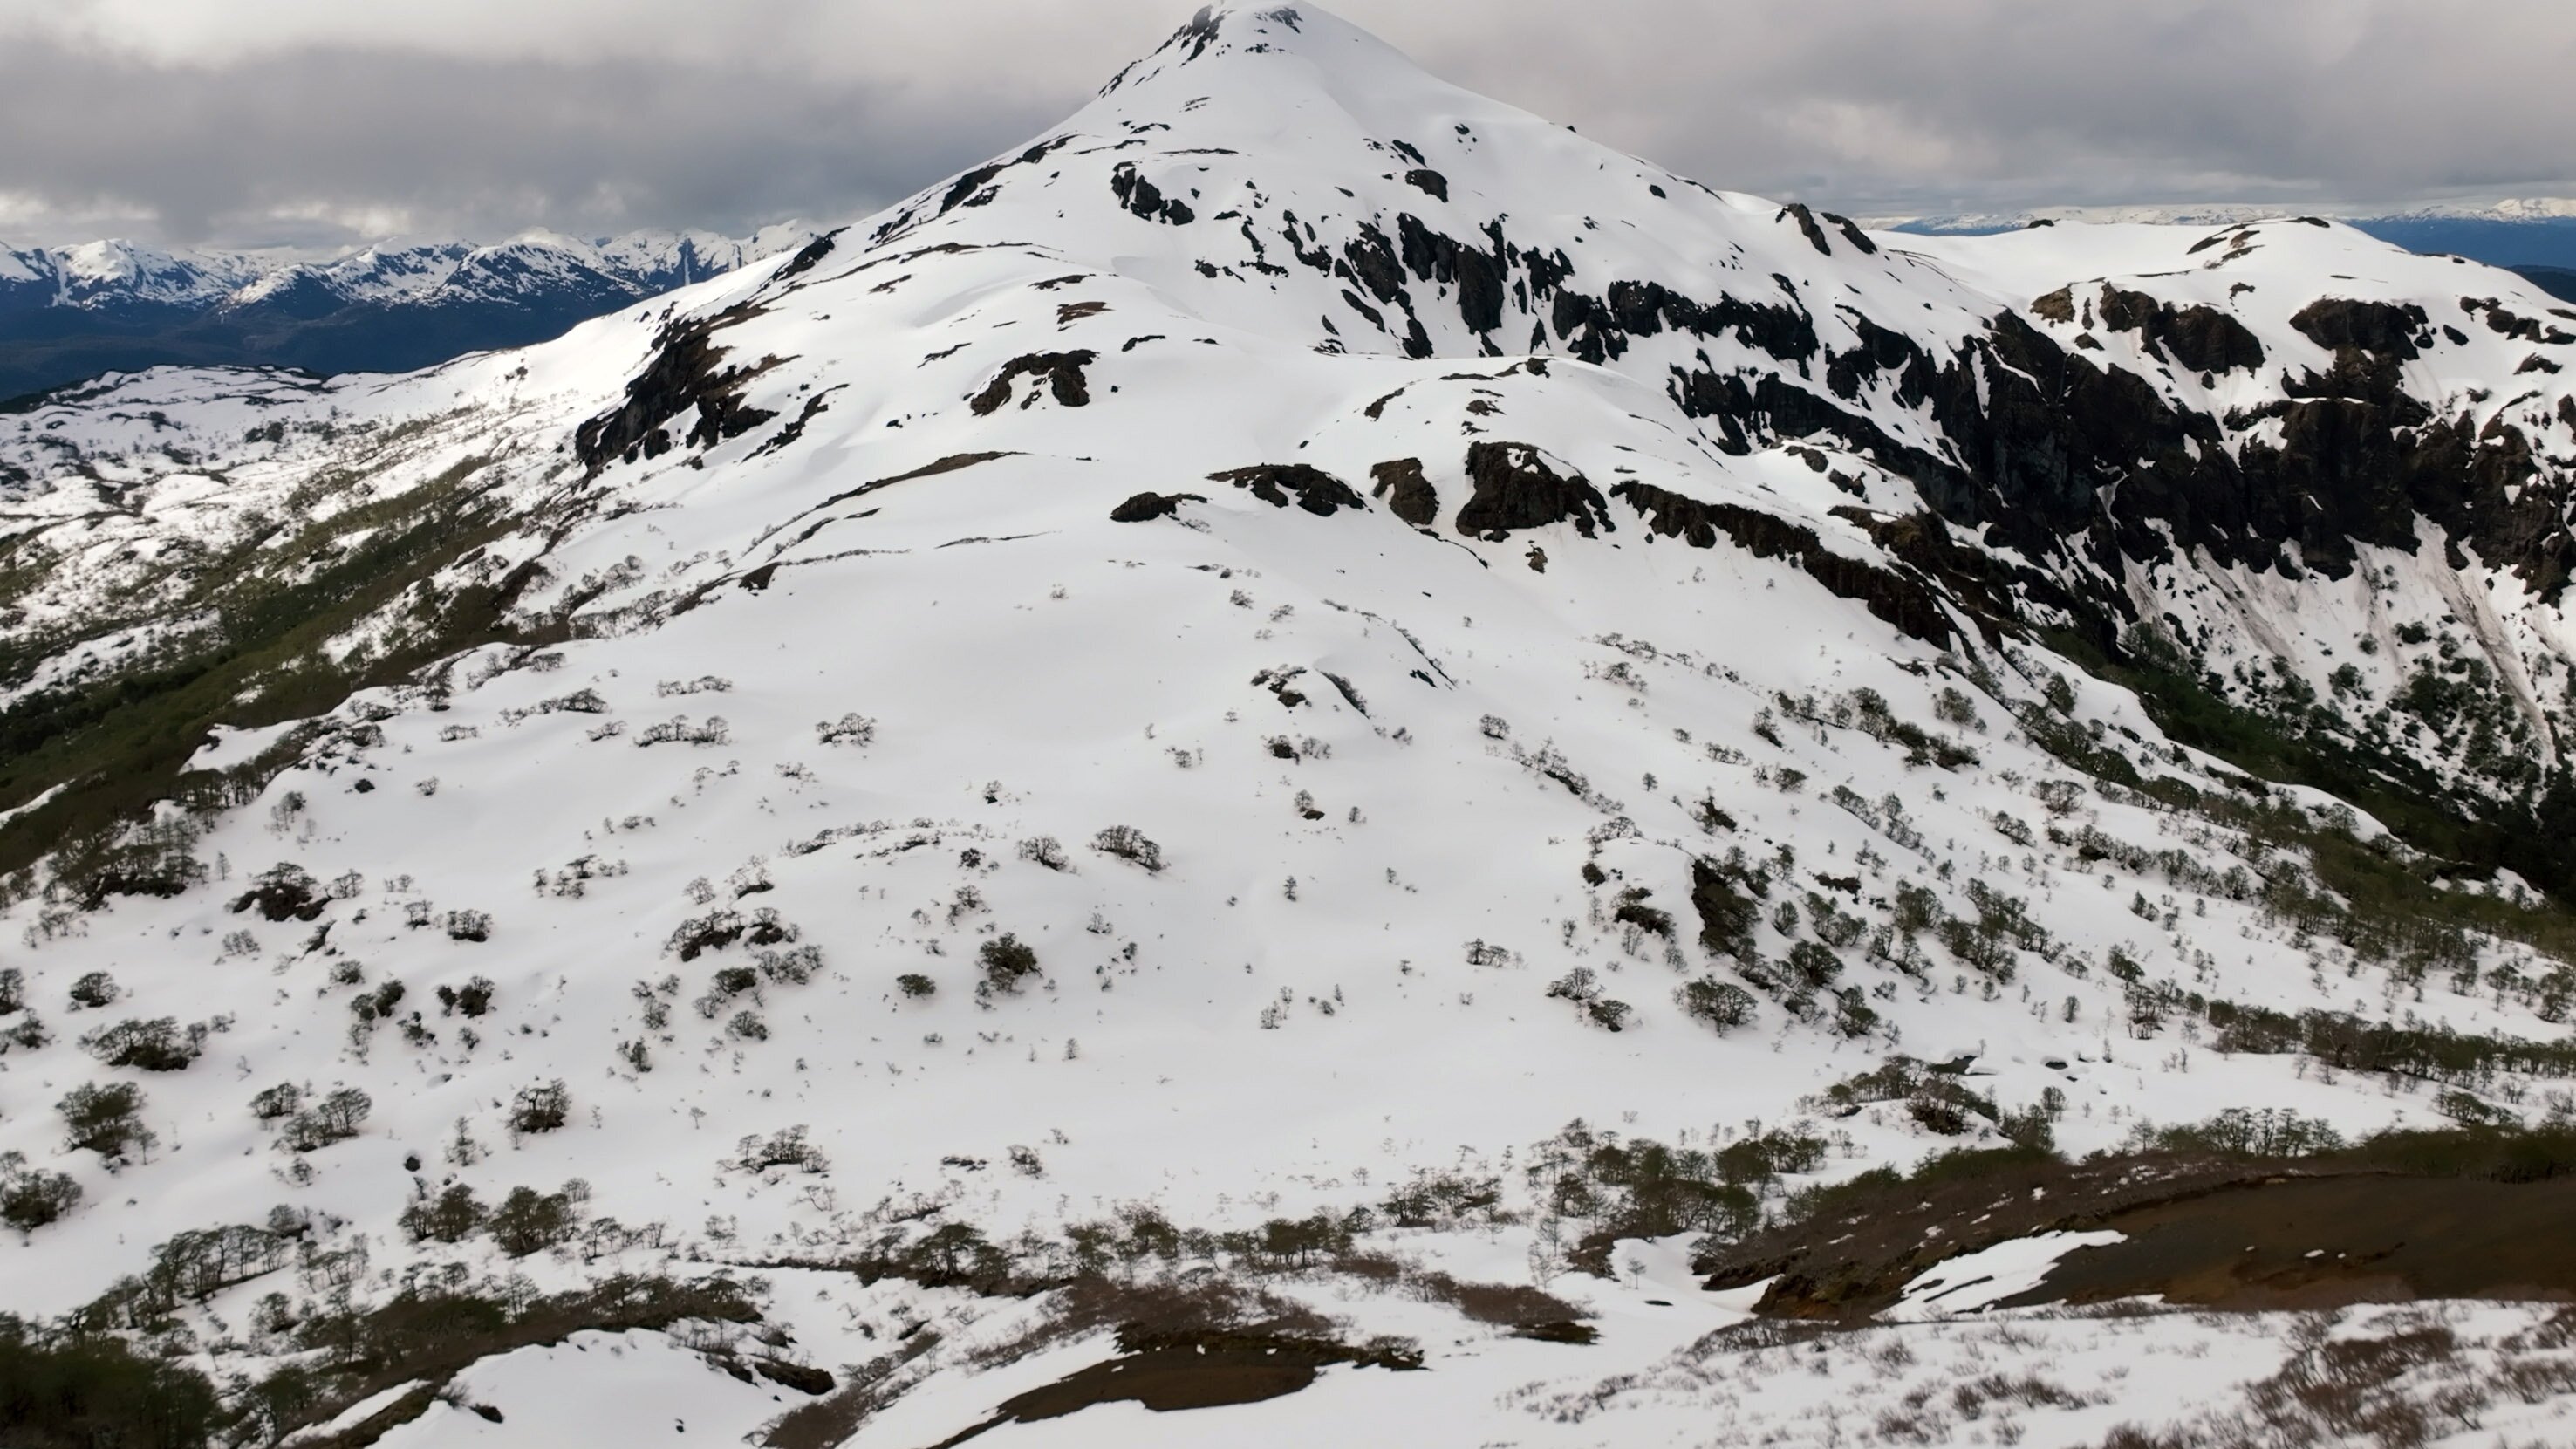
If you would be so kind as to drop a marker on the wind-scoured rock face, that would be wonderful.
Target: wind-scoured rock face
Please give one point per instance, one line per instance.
(1303, 628)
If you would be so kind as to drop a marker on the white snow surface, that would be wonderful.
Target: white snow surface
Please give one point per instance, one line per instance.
(1376, 759)
(1974, 1281)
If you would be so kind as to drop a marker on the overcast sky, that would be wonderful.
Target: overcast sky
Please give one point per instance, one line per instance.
(321, 123)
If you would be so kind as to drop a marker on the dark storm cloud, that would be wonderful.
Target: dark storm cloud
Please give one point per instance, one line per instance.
(298, 119)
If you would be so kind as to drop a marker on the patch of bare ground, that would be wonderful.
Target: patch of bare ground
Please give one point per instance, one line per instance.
(2324, 1242)
(2460, 1213)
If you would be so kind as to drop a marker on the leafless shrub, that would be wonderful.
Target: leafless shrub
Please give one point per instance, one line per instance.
(1130, 844)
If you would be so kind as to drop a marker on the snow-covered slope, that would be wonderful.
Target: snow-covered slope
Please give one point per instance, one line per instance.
(1303, 629)
(2527, 234)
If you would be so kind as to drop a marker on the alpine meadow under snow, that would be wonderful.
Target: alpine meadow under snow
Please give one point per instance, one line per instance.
(1308, 760)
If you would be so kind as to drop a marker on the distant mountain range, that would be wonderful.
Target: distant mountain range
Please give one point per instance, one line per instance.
(2535, 236)
(69, 313)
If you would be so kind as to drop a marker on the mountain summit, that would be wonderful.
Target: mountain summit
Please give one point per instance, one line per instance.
(1305, 729)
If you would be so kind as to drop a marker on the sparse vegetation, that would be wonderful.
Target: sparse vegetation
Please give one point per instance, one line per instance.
(1007, 961)
(1719, 1005)
(472, 999)
(849, 729)
(336, 1118)
(94, 991)
(1130, 844)
(158, 1045)
(545, 1107)
(105, 1118)
(787, 1147)
(451, 1217)
(529, 1221)
(31, 1197)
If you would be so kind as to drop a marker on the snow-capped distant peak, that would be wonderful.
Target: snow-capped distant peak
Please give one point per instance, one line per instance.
(2233, 213)
(110, 274)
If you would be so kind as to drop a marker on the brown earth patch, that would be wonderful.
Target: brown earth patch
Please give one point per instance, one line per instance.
(2324, 1242)
(1171, 1372)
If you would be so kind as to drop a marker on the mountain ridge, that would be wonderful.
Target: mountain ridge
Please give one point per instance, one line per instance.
(1296, 711)
(69, 313)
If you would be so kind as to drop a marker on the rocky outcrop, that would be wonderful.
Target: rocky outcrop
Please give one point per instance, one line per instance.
(1146, 507)
(2200, 338)
(1062, 371)
(1409, 495)
(684, 373)
(1142, 198)
(2384, 328)
(1280, 484)
(1516, 489)
(1907, 603)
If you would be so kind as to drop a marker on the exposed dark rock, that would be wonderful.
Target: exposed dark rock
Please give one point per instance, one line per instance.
(1435, 257)
(809, 258)
(1062, 370)
(803, 1378)
(1807, 223)
(1881, 351)
(1146, 507)
(1372, 263)
(1314, 490)
(974, 188)
(816, 405)
(682, 374)
(1423, 178)
(1905, 602)
(1144, 199)
(1644, 308)
(2201, 338)
(1194, 38)
(2384, 328)
(1409, 495)
(1515, 488)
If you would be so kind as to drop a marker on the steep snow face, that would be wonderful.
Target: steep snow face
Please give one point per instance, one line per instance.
(1302, 627)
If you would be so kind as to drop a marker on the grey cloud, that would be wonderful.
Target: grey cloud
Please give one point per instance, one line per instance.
(471, 146)
(1868, 105)
(2035, 101)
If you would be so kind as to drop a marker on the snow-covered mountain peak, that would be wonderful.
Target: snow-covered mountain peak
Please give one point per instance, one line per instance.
(1257, 45)
(1247, 660)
